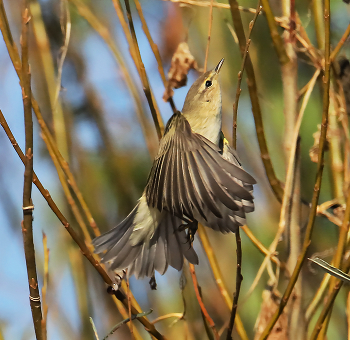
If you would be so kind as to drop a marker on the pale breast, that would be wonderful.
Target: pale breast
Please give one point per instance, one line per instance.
(209, 126)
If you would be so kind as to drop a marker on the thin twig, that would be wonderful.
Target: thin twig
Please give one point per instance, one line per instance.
(209, 35)
(316, 193)
(239, 279)
(214, 266)
(155, 51)
(240, 74)
(201, 304)
(208, 4)
(291, 203)
(66, 29)
(179, 316)
(253, 92)
(337, 282)
(275, 36)
(103, 31)
(28, 207)
(64, 183)
(289, 181)
(319, 23)
(259, 245)
(13, 52)
(94, 328)
(158, 122)
(44, 52)
(317, 300)
(340, 43)
(132, 317)
(82, 245)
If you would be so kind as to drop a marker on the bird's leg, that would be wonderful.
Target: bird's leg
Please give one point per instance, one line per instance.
(191, 227)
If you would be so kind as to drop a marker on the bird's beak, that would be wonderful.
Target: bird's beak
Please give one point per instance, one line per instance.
(218, 67)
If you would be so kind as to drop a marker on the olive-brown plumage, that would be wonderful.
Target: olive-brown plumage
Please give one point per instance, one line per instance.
(195, 177)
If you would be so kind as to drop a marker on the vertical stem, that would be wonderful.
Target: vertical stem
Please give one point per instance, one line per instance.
(253, 93)
(47, 62)
(289, 73)
(200, 301)
(319, 22)
(240, 74)
(316, 193)
(155, 51)
(322, 323)
(214, 266)
(323, 332)
(239, 279)
(209, 35)
(141, 68)
(27, 224)
(335, 149)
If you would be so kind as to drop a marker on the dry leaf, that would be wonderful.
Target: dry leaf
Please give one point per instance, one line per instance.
(313, 153)
(339, 211)
(268, 307)
(181, 63)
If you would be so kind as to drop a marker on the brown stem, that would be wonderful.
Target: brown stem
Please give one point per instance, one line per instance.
(239, 279)
(82, 245)
(275, 36)
(209, 35)
(155, 51)
(240, 74)
(320, 165)
(253, 92)
(327, 308)
(200, 301)
(28, 207)
(141, 68)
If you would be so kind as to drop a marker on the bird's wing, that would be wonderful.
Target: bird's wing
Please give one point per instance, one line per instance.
(189, 175)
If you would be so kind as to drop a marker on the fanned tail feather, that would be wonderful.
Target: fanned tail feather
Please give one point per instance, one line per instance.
(145, 241)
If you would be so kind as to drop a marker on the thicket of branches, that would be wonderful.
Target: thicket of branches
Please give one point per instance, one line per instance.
(92, 76)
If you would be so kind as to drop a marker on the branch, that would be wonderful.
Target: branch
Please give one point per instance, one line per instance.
(275, 36)
(320, 165)
(155, 51)
(158, 122)
(201, 304)
(209, 35)
(103, 31)
(239, 279)
(214, 266)
(240, 74)
(28, 207)
(253, 92)
(81, 244)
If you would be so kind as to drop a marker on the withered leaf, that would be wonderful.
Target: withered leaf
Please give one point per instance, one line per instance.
(313, 152)
(268, 307)
(181, 63)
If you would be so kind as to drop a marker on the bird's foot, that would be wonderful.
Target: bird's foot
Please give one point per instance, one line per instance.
(191, 230)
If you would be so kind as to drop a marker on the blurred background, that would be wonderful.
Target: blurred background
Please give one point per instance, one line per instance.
(105, 132)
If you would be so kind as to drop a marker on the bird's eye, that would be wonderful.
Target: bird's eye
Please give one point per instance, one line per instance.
(208, 83)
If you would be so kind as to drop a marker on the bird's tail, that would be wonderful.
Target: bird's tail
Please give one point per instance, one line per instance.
(145, 241)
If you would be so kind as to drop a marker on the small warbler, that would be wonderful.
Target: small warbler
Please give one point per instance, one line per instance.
(196, 177)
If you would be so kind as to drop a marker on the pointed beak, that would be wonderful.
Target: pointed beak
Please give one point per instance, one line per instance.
(218, 67)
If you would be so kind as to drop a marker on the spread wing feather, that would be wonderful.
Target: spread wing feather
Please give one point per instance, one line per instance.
(190, 177)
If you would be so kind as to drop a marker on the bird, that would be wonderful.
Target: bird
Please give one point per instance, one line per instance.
(196, 177)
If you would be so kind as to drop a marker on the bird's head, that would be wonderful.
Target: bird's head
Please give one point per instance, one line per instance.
(205, 93)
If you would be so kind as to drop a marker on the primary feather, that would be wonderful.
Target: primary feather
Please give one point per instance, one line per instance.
(195, 177)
